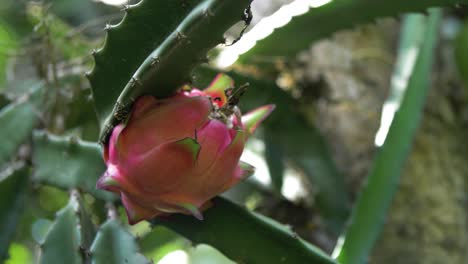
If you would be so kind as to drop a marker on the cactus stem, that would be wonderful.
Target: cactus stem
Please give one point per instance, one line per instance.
(209, 18)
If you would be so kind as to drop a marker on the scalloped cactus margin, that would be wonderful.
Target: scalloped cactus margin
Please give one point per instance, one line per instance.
(59, 162)
(143, 28)
(113, 244)
(69, 238)
(169, 66)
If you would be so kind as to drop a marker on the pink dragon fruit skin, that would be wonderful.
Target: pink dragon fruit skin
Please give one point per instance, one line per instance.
(173, 156)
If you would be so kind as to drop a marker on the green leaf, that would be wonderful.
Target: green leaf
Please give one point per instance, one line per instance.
(303, 144)
(114, 244)
(170, 65)
(69, 237)
(371, 208)
(461, 52)
(13, 189)
(244, 236)
(339, 14)
(68, 163)
(17, 121)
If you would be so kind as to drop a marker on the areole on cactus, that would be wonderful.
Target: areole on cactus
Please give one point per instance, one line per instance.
(175, 154)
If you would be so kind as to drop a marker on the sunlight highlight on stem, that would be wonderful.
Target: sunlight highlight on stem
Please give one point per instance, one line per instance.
(114, 2)
(265, 27)
(406, 60)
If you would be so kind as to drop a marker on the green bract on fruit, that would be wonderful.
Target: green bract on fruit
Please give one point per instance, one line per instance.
(175, 154)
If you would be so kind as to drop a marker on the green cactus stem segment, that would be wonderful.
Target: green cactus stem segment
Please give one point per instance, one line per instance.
(262, 240)
(170, 65)
(146, 24)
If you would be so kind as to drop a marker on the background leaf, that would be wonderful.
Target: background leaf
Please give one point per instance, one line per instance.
(371, 208)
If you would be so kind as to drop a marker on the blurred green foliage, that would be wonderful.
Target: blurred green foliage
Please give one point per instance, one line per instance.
(48, 199)
(19, 254)
(8, 45)
(461, 52)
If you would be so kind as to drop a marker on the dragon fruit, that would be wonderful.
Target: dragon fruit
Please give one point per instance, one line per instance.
(175, 154)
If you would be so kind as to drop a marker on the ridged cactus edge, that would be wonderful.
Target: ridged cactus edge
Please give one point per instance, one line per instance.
(171, 61)
(59, 162)
(70, 236)
(114, 244)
